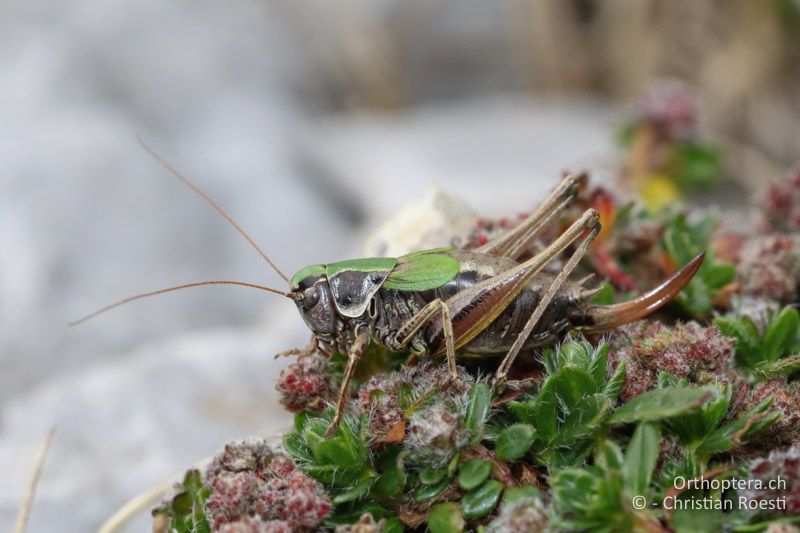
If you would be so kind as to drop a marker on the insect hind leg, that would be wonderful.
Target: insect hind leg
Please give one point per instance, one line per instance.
(588, 221)
(516, 241)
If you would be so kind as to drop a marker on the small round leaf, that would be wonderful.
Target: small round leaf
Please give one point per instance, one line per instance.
(473, 473)
(514, 442)
(446, 518)
(481, 501)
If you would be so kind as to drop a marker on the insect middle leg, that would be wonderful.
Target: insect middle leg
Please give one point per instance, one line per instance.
(412, 326)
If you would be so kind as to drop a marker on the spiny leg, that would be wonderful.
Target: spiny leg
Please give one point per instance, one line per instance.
(356, 350)
(588, 221)
(301, 352)
(514, 242)
(412, 326)
(476, 307)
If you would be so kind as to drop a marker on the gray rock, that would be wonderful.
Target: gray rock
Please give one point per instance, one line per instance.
(135, 421)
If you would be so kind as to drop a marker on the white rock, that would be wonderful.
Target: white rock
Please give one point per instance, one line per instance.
(432, 221)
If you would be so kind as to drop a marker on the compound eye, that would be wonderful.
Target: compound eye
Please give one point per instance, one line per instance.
(310, 297)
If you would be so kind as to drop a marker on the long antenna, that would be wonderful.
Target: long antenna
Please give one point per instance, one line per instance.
(172, 170)
(177, 288)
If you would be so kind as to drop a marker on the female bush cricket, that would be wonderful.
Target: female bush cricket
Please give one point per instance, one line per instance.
(455, 303)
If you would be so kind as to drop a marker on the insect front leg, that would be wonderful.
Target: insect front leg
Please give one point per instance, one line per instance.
(588, 221)
(356, 350)
(301, 352)
(519, 239)
(412, 326)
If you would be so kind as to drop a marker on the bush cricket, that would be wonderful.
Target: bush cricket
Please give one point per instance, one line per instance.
(447, 302)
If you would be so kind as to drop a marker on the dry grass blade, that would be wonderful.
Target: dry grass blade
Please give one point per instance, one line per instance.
(30, 492)
(143, 501)
(135, 506)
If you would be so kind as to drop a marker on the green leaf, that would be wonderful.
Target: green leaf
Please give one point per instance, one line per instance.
(683, 241)
(748, 353)
(583, 420)
(428, 492)
(598, 365)
(515, 494)
(677, 241)
(661, 403)
(575, 353)
(446, 518)
(349, 513)
(640, 458)
(695, 166)
(751, 423)
(182, 503)
(193, 481)
(783, 367)
(337, 451)
(573, 384)
(199, 521)
(479, 403)
(314, 433)
(610, 455)
(430, 476)
(296, 448)
(300, 420)
(514, 442)
(625, 134)
(545, 411)
(331, 475)
(575, 455)
(452, 466)
(187, 507)
(522, 411)
(694, 517)
(481, 501)
(780, 333)
(390, 484)
(393, 525)
(356, 492)
(604, 296)
(473, 473)
(550, 361)
(717, 275)
(694, 426)
(615, 382)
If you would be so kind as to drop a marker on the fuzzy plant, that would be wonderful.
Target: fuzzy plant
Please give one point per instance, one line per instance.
(247, 488)
(605, 434)
(768, 349)
(767, 357)
(684, 239)
(564, 451)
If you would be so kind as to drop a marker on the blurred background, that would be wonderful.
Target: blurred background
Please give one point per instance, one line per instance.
(312, 123)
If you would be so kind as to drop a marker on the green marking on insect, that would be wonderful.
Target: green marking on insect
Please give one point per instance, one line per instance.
(369, 264)
(422, 271)
(307, 272)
